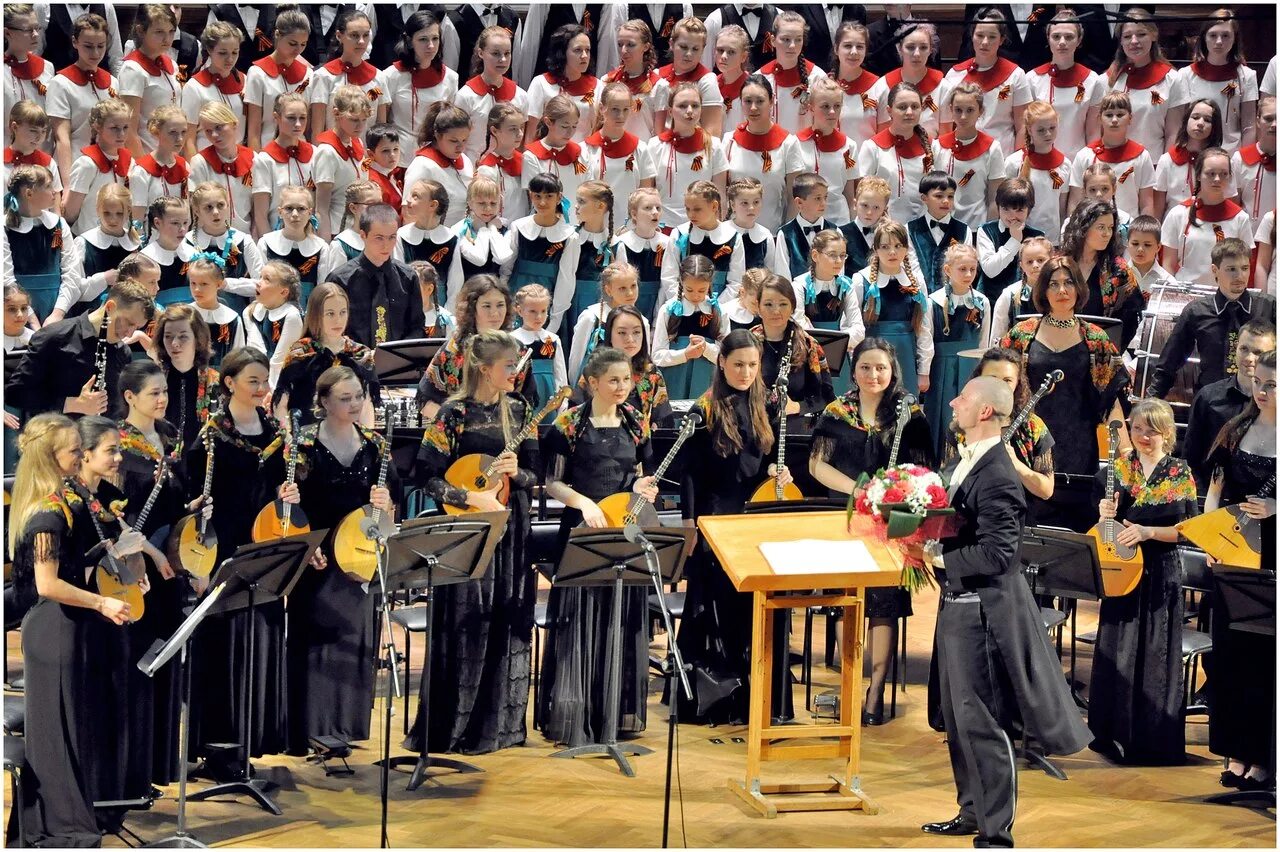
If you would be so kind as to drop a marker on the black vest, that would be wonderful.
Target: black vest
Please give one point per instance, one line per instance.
(469, 25)
(390, 30)
(818, 46)
(661, 29)
(759, 56)
(560, 14)
(57, 38)
(322, 44)
(258, 43)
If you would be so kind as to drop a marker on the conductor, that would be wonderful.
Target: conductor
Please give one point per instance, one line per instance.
(995, 656)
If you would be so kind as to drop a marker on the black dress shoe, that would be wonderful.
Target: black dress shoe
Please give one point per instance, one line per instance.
(872, 719)
(1231, 780)
(957, 826)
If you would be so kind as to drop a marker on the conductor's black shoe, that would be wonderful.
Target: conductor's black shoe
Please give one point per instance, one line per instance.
(957, 826)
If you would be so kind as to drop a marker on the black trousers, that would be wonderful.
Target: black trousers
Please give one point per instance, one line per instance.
(973, 706)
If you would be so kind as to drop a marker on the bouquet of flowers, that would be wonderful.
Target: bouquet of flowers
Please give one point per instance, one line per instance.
(909, 504)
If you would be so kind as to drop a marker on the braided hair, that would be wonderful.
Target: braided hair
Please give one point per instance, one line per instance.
(885, 231)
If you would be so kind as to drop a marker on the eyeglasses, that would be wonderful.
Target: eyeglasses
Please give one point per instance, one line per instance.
(23, 30)
(830, 255)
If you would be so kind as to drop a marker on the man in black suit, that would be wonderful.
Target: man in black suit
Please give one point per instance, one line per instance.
(995, 655)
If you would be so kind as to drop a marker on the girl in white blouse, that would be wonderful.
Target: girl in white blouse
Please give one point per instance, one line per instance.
(1175, 170)
(488, 88)
(637, 70)
(1071, 87)
(443, 136)
(417, 79)
(350, 68)
(218, 81)
(1141, 70)
(763, 149)
(790, 73)
(147, 75)
(859, 113)
(1194, 227)
(1006, 91)
(1219, 72)
(688, 41)
(284, 71)
(685, 152)
(902, 153)
(75, 89)
(568, 73)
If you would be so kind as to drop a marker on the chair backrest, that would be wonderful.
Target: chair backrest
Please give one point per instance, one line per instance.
(1195, 569)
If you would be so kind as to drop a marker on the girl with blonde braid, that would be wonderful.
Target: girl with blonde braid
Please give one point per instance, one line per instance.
(214, 232)
(902, 153)
(38, 248)
(614, 154)
(895, 304)
(1039, 161)
(619, 285)
(961, 320)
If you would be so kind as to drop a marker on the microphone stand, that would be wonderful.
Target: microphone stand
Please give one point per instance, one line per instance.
(674, 661)
(374, 534)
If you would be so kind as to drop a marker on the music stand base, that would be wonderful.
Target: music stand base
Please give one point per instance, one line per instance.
(253, 788)
(176, 841)
(423, 765)
(617, 751)
(1261, 799)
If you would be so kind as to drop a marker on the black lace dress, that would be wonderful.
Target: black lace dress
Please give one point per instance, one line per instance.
(483, 629)
(307, 360)
(1136, 690)
(595, 462)
(1242, 725)
(332, 643)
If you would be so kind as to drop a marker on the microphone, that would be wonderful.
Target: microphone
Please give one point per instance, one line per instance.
(635, 535)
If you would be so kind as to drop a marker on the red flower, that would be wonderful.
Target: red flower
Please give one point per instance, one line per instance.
(937, 496)
(862, 504)
(895, 495)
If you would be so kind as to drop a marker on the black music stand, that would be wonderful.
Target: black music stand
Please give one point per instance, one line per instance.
(257, 574)
(1062, 564)
(835, 346)
(426, 553)
(595, 557)
(401, 363)
(1249, 600)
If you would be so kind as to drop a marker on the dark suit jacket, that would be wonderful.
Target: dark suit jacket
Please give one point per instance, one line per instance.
(982, 557)
(817, 47)
(364, 284)
(1097, 49)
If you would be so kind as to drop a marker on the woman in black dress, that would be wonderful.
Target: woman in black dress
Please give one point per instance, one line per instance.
(67, 687)
(183, 353)
(626, 331)
(483, 629)
(1242, 726)
(248, 465)
(1093, 390)
(809, 387)
(1136, 692)
(593, 450)
(332, 639)
(855, 435)
(1092, 240)
(725, 461)
(324, 344)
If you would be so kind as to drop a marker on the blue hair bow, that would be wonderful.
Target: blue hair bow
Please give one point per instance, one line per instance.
(11, 202)
(213, 257)
(564, 208)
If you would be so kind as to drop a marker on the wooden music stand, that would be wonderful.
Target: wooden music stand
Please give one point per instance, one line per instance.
(736, 540)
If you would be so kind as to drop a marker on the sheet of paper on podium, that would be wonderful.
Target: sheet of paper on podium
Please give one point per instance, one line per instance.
(808, 556)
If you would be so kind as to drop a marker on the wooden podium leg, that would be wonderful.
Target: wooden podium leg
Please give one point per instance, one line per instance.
(851, 645)
(758, 712)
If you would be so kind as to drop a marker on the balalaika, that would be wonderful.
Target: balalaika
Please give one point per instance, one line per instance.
(627, 507)
(1121, 564)
(901, 418)
(193, 544)
(773, 489)
(279, 519)
(121, 578)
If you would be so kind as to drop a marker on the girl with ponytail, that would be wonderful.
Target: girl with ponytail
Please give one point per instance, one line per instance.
(1175, 170)
(593, 209)
(638, 61)
(1039, 161)
(902, 153)
(442, 138)
(489, 89)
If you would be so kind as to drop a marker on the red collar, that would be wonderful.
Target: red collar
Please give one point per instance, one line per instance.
(909, 147)
(825, 142)
(503, 92)
(932, 78)
(769, 141)
(566, 156)
(1147, 76)
(730, 91)
(301, 152)
(693, 75)
(789, 77)
(439, 159)
(423, 78)
(173, 175)
(989, 79)
(238, 168)
(1224, 212)
(357, 75)
(1126, 152)
(1180, 156)
(29, 70)
(293, 74)
(1215, 73)
(1252, 155)
(233, 84)
(685, 144)
(101, 77)
(1072, 78)
(392, 185)
(35, 158)
(1046, 162)
(154, 67)
(859, 86)
(967, 150)
(354, 151)
(635, 85)
(618, 149)
(582, 87)
(513, 166)
(105, 164)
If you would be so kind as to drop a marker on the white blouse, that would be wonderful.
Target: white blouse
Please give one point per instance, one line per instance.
(454, 181)
(675, 171)
(1150, 106)
(542, 89)
(261, 89)
(1229, 96)
(66, 100)
(478, 105)
(1194, 243)
(1072, 103)
(623, 174)
(997, 104)
(971, 177)
(783, 160)
(163, 88)
(837, 167)
(409, 105)
(1049, 187)
(1133, 174)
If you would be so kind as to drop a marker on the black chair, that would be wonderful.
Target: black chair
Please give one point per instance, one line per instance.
(412, 619)
(15, 716)
(1196, 579)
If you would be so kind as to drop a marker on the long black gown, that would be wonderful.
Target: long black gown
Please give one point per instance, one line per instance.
(332, 639)
(247, 469)
(595, 462)
(1136, 690)
(307, 359)
(192, 395)
(1242, 725)
(715, 632)
(65, 687)
(844, 441)
(483, 629)
(158, 717)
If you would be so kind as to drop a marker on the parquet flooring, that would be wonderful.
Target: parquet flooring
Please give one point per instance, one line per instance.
(525, 799)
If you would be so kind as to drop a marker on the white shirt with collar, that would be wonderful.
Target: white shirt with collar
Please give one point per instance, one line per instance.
(1194, 244)
(723, 234)
(1156, 276)
(70, 264)
(486, 244)
(851, 307)
(994, 259)
(335, 255)
(20, 341)
(65, 100)
(115, 52)
(566, 280)
(924, 336)
(529, 338)
(969, 457)
(290, 331)
(223, 315)
(663, 355)
(92, 286)
(782, 253)
(973, 299)
(197, 240)
(311, 246)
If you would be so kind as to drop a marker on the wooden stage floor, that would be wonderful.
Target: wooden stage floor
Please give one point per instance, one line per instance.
(523, 798)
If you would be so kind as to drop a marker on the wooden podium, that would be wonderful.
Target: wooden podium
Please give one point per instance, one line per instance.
(735, 540)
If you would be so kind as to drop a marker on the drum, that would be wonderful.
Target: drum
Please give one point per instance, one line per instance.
(1162, 311)
(969, 360)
